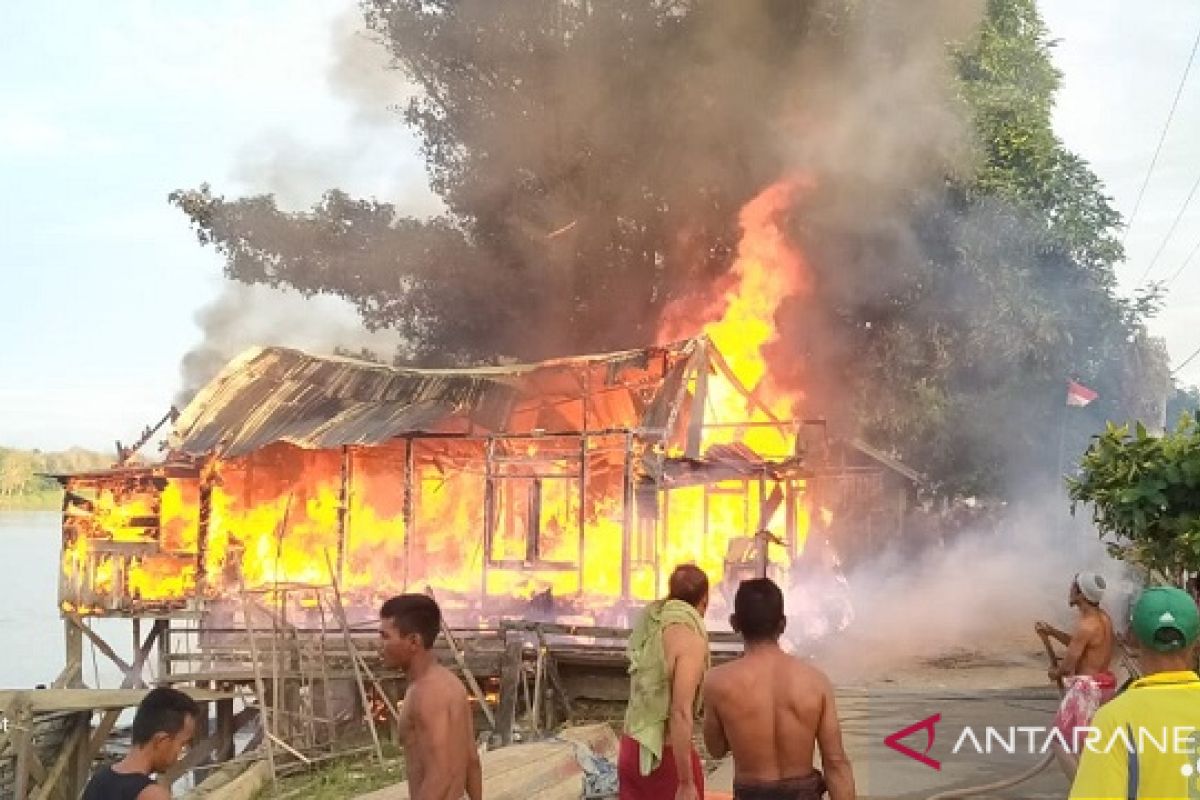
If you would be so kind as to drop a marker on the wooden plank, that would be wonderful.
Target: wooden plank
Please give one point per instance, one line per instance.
(49, 700)
(510, 678)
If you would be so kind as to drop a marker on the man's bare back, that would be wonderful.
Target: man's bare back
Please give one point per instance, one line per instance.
(438, 735)
(772, 711)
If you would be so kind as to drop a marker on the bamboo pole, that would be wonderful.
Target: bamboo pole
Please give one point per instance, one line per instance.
(339, 610)
(259, 687)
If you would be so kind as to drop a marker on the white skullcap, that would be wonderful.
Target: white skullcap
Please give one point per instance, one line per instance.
(1091, 585)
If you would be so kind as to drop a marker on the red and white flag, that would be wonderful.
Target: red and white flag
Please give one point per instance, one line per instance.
(1079, 395)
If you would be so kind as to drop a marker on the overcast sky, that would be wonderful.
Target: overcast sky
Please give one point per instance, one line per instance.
(107, 107)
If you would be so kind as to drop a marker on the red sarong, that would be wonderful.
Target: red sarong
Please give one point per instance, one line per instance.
(658, 785)
(1084, 696)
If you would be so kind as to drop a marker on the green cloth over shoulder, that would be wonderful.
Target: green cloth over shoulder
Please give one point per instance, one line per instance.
(650, 684)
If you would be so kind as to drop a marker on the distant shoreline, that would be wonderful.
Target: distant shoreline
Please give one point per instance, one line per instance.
(41, 501)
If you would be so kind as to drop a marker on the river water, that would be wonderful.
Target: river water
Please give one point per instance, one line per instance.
(31, 633)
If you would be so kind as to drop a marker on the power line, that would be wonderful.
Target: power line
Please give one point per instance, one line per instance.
(1171, 232)
(1183, 266)
(1187, 360)
(1162, 138)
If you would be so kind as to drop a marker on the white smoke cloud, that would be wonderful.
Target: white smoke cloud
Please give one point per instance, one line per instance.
(982, 593)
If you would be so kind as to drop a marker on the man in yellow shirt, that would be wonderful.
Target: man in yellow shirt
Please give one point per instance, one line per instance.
(1145, 743)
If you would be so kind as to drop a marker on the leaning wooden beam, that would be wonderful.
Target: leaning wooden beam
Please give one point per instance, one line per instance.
(101, 645)
(340, 612)
(305, 759)
(100, 734)
(134, 677)
(461, 661)
(719, 361)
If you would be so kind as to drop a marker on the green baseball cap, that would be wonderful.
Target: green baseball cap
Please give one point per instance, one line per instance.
(1165, 608)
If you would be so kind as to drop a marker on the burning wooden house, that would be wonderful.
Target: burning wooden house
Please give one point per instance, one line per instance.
(568, 488)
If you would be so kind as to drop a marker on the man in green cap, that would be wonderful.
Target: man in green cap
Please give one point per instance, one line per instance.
(1146, 742)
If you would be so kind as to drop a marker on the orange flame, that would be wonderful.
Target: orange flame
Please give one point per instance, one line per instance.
(275, 513)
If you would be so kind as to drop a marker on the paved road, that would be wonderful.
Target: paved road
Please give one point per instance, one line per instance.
(869, 716)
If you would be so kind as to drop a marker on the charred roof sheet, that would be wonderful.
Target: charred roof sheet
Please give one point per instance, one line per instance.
(276, 394)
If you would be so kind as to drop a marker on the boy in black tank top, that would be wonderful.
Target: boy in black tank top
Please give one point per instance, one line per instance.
(163, 725)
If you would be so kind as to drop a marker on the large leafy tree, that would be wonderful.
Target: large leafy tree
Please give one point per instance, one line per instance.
(592, 158)
(1144, 492)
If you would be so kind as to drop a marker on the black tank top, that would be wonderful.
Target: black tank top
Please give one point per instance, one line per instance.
(109, 785)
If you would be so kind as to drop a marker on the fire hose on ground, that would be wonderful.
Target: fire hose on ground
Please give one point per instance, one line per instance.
(1031, 772)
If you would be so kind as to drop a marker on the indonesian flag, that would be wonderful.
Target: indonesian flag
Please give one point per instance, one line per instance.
(1079, 395)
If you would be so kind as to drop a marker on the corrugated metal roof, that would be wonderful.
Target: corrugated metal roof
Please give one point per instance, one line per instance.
(276, 394)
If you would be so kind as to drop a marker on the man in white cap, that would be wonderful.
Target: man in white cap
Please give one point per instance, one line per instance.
(1085, 669)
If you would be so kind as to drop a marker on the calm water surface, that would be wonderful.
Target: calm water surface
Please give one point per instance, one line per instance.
(31, 633)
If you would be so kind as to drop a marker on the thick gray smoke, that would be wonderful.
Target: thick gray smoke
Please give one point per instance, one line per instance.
(246, 316)
(296, 172)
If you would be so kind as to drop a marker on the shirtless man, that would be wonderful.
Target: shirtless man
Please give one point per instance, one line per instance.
(435, 719)
(773, 711)
(1085, 668)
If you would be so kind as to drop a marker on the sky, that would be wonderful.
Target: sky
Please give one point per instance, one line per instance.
(105, 108)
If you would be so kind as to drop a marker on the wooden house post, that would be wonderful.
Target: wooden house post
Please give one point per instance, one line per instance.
(627, 517)
(583, 482)
(409, 508)
(343, 518)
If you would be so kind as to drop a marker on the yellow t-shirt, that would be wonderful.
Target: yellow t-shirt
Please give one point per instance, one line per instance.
(1145, 743)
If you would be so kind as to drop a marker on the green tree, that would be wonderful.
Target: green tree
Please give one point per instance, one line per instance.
(1144, 491)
